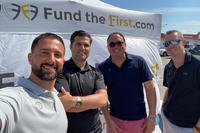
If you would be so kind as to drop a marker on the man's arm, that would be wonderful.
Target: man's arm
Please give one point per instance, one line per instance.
(151, 99)
(165, 96)
(93, 101)
(110, 124)
(197, 126)
(151, 96)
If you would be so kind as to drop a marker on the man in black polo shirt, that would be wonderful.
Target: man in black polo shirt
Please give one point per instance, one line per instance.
(86, 91)
(181, 103)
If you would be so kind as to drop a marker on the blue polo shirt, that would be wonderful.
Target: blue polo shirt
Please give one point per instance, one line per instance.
(125, 89)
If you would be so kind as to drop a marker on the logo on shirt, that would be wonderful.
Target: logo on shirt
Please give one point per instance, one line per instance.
(38, 105)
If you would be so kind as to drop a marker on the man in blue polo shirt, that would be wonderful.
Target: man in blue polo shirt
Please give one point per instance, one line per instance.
(33, 106)
(125, 75)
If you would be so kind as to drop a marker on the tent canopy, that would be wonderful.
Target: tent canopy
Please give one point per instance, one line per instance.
(22, 20)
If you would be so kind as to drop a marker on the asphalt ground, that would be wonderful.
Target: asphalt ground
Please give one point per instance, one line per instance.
(165, 60)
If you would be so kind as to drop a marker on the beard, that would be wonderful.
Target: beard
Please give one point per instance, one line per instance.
(47, 75)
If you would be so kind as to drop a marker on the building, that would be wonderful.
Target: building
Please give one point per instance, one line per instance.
(190, 39)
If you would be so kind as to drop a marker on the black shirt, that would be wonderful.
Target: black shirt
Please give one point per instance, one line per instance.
(82, 83)
(182, 106)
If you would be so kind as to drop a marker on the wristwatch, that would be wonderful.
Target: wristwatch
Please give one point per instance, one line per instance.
(78, 102)
(197, 128)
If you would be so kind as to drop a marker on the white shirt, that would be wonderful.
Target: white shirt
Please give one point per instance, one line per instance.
(29, 108)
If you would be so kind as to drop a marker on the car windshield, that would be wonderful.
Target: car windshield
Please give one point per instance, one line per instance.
(162, 46)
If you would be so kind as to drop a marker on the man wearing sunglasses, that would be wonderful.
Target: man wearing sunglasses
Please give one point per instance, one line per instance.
(181, 103)
(125, 75)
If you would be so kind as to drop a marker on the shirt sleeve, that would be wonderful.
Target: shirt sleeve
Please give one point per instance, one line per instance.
(61, 81)
(2, 120)
(10, 109)
(164, 77)
(147, 75)
(99, 84)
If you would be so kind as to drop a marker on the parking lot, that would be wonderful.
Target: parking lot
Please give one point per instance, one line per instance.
(165, 60)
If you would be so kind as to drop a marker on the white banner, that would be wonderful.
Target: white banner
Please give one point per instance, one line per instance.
(66, 16)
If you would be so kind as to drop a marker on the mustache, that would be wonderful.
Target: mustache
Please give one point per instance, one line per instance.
(48, 64)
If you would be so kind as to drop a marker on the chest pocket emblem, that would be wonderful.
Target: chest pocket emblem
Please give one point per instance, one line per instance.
(38, 105)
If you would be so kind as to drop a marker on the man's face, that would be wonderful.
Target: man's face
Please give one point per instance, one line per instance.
(80, 48)
(175, 44)
(47, 59)
(116, 46)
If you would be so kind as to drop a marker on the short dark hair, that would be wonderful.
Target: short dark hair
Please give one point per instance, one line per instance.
(80, 33)
(46, 35)
(118, 33)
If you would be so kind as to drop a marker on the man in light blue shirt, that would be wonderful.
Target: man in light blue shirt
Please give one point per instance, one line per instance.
(33, 106)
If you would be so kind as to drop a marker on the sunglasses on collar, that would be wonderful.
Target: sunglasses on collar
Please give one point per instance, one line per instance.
(172, 42)
(118, 43)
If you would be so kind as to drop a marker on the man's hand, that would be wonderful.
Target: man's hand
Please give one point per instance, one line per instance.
(149, 125)
(67, 100)
(113, 128)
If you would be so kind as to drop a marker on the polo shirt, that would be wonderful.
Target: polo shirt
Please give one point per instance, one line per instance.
(125, 86)
(82, 83)
(28, 108)
(182, 106)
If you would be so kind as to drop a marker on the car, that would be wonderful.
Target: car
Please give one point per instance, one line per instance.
(195, 50)
(188, 47)
(162, 51)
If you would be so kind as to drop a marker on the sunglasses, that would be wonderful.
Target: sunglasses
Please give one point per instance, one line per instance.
(172, 42)
(118, 43)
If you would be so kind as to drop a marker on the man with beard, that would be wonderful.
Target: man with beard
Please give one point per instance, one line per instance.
(33, 105)
(85, 84)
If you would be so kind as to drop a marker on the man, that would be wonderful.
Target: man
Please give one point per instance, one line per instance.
(181, 103)
(125, 75)
(85, 84)
(33, 105)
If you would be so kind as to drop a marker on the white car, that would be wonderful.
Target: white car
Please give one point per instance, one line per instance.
(162, 51)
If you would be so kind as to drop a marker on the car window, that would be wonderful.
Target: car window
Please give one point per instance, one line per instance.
(162, 46)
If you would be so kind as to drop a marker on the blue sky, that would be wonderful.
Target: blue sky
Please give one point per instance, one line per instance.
(182, 15)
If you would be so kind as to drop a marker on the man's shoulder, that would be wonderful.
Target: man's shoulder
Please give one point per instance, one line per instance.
(12, 89)
(104, 63)
(196, 58)
(135, 57)
(92, 68)
(15, 92)
(68, 62)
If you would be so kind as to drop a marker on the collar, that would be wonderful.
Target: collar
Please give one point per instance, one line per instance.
(128, 58)
(74, 66)
(188, 59)
(32, 87)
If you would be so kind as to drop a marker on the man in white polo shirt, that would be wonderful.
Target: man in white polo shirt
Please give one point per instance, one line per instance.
(33, 105)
